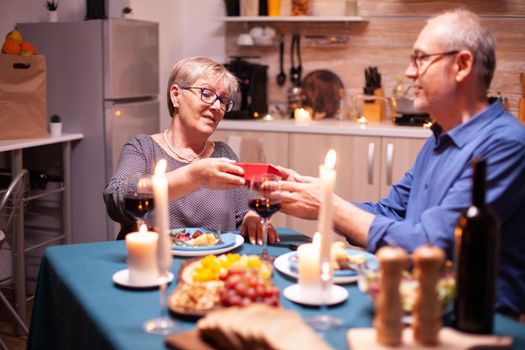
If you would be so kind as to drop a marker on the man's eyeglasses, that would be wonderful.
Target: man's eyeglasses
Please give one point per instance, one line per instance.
(209, 97)
(417, 60)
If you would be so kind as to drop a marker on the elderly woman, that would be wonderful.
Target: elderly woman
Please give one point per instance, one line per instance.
(205, 185)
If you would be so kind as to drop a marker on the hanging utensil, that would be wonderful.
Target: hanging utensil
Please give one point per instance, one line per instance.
(281, 77)
(293, 70)
(300, 65)
(295, 52)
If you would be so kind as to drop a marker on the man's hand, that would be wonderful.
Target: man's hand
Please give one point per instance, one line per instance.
(252, 229)
(301, 199)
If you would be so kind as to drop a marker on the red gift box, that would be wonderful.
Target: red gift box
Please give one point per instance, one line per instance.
(252, 169)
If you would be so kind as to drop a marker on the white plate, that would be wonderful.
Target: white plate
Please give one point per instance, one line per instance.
(238, 241)
(122, 278)
(282, 264)
(337, 295)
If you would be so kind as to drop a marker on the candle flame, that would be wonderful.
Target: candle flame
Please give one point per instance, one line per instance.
(317, 240)
(160, 169)
(143, 228)
(329, 161)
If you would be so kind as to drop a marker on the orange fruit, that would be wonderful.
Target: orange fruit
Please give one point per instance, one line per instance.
(26, 48)
(14, 35)
(11, 47)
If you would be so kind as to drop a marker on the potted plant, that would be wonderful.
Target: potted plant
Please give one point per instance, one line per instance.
(52, 10)
(55, 125)
(127, 12)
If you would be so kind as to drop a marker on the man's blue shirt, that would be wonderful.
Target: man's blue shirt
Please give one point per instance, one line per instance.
(425, 205)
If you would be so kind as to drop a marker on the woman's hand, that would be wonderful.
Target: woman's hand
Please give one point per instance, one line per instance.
(216, 173)
(252, 229)
(301, 198)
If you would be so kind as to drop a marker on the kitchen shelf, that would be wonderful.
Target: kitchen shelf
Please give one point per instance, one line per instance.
(283, 19)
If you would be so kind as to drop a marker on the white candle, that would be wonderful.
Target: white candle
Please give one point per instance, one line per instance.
(362, 122)
(160, 195)
(301, 115)
(142, 253)
(327, 176)
(309, 268)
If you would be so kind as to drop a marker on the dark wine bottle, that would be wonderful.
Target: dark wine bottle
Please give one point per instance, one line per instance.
(477, 260)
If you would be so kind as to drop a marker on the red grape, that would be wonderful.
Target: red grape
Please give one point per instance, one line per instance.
(245, 286)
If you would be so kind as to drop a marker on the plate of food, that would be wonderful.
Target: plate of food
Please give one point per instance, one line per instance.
(347, 262)
(214, 282)
(200, 241)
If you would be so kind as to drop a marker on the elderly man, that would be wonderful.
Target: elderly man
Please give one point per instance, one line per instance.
(452, 66)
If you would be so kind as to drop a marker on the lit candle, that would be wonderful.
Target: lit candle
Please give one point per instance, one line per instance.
(309, 268)
(160, 194)
(362, 122)
(142, 253)
(327, 176)
(301, 115)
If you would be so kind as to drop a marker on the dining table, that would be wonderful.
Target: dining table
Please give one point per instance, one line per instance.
(78, 306)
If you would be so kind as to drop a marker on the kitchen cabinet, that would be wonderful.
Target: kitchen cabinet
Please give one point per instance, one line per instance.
(397, 156)
(368, 162)
(307, 152)
(366, 166)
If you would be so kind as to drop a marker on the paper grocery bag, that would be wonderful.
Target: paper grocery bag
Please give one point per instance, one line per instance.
(23, 97)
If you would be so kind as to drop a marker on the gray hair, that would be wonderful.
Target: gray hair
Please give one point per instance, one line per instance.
(464, 30)
(188, 70)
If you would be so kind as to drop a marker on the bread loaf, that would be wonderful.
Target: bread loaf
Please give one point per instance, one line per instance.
(258, 326)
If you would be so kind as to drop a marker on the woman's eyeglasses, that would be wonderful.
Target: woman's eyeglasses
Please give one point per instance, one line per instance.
(208, 96)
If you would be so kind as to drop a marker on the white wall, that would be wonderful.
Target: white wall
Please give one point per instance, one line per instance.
(187, 28)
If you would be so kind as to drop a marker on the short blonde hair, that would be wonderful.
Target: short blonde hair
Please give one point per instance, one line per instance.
(188, 70)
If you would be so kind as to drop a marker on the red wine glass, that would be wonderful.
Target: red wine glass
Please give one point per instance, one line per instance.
(137, 201)
(265, 200)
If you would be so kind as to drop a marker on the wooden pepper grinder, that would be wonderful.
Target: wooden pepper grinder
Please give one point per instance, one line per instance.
(387, 321)
(428, 262)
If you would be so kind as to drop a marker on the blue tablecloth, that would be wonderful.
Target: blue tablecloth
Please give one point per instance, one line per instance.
(77, 305)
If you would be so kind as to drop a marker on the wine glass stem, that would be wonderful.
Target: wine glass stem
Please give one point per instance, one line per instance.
(324, 296)
(325, 284)
(265, 222)
(162, 289)
(140, 221)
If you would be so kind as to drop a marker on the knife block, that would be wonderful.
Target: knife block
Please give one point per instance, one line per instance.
(375, 111)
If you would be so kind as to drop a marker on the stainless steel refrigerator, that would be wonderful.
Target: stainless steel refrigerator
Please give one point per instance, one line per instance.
(103, 80)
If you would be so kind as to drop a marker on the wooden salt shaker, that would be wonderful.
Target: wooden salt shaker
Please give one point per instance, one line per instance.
(387, 321)
(428, 262)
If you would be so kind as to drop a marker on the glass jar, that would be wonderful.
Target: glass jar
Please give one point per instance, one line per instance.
(300, 7)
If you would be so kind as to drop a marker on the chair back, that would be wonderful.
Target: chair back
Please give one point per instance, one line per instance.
(12, 201)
